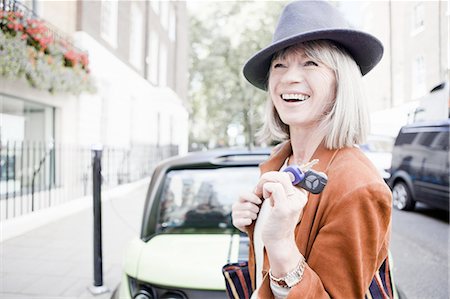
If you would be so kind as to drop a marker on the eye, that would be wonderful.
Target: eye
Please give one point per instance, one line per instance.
(277, 65)
(311, 63)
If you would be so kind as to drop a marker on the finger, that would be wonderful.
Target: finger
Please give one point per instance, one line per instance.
(274, 176)
(244, 218)
(251, 207)
(244, 209)
(274, 191)
(244, 214)
(250, 197)
(245, 206)
(262, 180)
(241, 223)
(301, 190)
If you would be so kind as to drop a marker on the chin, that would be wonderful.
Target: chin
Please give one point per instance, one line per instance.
(292, 120)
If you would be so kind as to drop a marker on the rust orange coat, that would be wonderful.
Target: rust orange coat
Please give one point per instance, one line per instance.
(344, 232)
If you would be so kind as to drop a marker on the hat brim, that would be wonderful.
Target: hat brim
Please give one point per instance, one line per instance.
(365, 49)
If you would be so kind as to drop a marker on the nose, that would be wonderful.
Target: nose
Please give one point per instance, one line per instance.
(293, 74)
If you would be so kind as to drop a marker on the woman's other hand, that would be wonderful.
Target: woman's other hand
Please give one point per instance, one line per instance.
(245, 210)
(287, 203)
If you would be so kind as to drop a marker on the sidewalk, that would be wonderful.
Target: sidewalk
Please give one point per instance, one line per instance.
(55, 260)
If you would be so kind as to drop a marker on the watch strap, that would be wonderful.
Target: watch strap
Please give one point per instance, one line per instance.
(291, 278)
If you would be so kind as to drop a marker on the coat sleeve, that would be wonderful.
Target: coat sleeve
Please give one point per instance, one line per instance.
(351, 245)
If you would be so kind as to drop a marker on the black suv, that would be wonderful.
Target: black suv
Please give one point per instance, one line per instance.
(420, 166)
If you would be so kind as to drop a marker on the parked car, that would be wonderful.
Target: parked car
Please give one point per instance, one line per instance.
(379, 150)
(187, 234)
(420, 166)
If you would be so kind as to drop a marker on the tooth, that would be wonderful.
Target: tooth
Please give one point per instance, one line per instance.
(291, 96)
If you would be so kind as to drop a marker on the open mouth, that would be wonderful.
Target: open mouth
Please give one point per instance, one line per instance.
(294, 97)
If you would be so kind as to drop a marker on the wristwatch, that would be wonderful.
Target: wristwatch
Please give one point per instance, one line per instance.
(292, 278)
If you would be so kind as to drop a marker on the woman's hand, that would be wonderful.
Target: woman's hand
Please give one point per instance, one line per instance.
(245, 210)
(287, 203)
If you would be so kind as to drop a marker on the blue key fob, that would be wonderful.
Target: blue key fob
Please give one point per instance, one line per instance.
(312, 181)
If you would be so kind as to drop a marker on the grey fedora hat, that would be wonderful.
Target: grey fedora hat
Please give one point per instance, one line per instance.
(303, 21)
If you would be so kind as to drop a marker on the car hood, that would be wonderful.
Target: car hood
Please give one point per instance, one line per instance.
(187, 261)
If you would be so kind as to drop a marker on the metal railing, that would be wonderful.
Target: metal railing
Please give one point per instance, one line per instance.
(37, 175)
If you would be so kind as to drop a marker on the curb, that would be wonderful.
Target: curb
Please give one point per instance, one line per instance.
(14, 227)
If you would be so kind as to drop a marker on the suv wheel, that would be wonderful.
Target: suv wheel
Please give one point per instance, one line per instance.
(401, 197)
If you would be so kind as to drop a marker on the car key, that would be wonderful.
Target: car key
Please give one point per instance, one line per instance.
(310, 180)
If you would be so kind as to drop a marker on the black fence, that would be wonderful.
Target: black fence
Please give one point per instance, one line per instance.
(37, 175)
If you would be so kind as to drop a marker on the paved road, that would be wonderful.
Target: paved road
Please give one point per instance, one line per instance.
(420, 248)
(55, 261)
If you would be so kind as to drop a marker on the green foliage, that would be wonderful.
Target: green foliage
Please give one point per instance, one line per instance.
(223, 36)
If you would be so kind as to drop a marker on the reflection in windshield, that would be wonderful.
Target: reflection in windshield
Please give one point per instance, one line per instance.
(202, 198)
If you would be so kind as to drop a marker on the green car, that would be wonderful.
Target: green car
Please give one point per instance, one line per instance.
(187, 234)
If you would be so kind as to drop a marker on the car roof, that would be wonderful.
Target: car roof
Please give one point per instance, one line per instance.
(428, 124)
(218, 157)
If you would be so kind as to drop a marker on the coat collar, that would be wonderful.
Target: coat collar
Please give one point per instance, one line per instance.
(284, 150)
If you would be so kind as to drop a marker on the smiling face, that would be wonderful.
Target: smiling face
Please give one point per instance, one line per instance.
(302, 89)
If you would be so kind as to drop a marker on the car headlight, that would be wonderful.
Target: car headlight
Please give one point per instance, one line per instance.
(143, 290)
(173, 295)
(143, 294)
(140, 290)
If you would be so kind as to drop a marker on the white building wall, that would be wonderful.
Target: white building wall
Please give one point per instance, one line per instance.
(126, 106)
(89, 120)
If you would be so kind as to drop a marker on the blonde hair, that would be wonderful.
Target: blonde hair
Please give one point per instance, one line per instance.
(346, 122)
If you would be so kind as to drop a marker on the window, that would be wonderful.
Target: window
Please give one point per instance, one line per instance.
(418, 18)
(172, 24)
(441, 141)
(165, 14)
(163, 65)
(108, 21)
(202, 198)
(26, 132)
(419, 77)
(405, 138)
(136, 37)
(155, 6)
(426, 138)
(152, 59)
(25, 121)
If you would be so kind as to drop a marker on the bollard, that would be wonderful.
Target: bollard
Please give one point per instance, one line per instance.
(98, 287)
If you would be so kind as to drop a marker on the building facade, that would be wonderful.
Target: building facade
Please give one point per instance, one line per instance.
(415, 35)
(138, 62)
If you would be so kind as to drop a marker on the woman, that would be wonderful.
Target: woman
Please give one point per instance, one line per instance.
(334, 243)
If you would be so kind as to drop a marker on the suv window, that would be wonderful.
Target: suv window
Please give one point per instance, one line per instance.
(426, 138)
(199, 199)
(405, 138)
(441, 141)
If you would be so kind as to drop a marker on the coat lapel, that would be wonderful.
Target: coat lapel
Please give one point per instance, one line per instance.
(307, 224)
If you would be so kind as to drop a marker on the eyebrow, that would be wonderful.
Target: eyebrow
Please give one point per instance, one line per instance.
(292, 52)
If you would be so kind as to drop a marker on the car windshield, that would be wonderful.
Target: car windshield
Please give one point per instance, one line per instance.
(197, 200)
